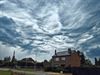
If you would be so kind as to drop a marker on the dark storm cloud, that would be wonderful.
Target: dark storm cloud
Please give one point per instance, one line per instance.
(41, 26)
(8, 34)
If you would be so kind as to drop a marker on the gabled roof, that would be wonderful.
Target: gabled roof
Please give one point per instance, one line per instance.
(63, 53)
(27, 59)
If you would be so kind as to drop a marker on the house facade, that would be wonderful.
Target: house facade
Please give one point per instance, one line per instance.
(66, 59)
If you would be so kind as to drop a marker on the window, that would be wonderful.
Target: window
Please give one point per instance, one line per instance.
(63, 58)
(56, 59)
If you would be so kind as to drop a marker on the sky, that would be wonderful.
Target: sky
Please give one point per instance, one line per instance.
(35, 28)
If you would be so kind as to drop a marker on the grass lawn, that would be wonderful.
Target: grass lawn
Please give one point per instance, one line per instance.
(5, 73)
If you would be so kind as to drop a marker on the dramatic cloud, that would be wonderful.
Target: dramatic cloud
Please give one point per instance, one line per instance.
(35, 28)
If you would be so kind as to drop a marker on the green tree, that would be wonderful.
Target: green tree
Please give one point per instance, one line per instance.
(96, 61)
(78, 52)
(82, 58)
(88, 62)
(99, 62)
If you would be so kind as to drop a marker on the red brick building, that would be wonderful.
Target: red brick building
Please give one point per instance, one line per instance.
(66, 59)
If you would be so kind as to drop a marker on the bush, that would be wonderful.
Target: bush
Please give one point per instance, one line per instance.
(53, 69)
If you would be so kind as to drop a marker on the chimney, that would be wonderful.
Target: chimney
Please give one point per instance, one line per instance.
(55, 52)
(69, 50)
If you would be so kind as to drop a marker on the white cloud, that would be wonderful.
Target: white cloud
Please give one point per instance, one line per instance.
(85, 37)
(6, 50)
(46, 25)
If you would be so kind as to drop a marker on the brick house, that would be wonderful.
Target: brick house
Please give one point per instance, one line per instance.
(66, 59)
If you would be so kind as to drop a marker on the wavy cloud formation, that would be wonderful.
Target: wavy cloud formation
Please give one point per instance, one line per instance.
(41, 26)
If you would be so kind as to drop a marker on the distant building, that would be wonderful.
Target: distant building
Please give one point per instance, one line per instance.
(26, 62)
(7, 59)
(66, 59)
